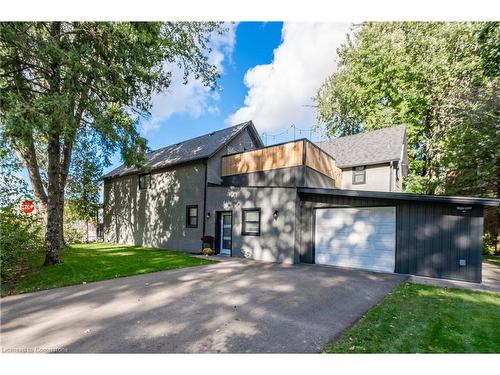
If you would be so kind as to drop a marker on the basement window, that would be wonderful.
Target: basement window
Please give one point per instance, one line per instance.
(251, 222)
(144, 181)
(359, 175)
(192, 216)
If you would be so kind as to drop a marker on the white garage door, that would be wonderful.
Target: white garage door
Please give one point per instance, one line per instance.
(356, 237)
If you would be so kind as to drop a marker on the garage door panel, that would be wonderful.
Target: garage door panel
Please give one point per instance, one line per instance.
(365, 232)
(326, 240)
(356, 237)
(356, 248)
(379, 263)
(358, 251)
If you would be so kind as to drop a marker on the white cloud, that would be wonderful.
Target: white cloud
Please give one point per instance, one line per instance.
(192, 98)
(279, 93)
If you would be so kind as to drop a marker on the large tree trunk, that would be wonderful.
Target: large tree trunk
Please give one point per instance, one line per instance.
(65, 162)
(52, 236)
(62, 242)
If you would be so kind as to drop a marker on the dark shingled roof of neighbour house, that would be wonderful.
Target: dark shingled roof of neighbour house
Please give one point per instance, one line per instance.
(192, 149)
(379, 146)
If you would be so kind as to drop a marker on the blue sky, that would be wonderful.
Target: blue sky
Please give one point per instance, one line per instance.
(254, 45)
(269, 73)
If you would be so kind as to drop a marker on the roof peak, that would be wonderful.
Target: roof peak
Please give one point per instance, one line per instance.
(364, 133)
(367, 148)
(201, 147)
(242, 124)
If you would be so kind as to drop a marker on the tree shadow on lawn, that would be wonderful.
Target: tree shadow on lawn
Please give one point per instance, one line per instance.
(427, 319)
(89, 263)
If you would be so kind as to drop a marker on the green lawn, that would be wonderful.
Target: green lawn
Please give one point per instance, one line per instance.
(92, 262)
(426, 319)
(495, 259)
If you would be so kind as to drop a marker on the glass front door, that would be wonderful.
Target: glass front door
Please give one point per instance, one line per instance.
(226, 233)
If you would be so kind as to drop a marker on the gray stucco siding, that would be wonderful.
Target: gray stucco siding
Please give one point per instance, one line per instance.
(156, 216)
(243, 141)
(431, 238)
(276, 242)
(379, 177)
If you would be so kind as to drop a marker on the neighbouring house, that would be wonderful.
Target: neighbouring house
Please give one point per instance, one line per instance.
(336, 203)
(375, 161)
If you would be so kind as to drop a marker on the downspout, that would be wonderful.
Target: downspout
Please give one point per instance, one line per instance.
(390, 175)
(205, 198)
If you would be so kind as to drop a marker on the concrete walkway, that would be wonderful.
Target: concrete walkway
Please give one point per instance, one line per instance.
(491, 281)
(235, 306)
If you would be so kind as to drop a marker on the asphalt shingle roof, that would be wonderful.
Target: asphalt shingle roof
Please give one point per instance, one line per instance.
(373, 147)
(192, 149)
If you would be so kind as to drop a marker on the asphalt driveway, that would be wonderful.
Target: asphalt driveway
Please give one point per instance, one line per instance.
(235, 306)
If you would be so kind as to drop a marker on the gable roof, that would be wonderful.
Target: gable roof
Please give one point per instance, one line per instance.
(201, 147)
(379, 146)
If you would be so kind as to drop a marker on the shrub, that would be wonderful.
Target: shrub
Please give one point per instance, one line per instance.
(74, 234)
(20, 235)
(488, 244)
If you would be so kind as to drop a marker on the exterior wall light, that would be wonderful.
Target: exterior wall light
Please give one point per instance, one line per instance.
(208, 215)
(275, 214)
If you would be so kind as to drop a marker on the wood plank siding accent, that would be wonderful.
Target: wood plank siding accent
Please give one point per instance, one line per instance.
(285, 155)
(320, 161)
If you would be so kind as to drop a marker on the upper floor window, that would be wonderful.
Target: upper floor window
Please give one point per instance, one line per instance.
(191, 216)
(144, 181)
(359, 175)
(251, 222)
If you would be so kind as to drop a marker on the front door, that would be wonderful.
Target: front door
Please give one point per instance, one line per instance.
(226, 233)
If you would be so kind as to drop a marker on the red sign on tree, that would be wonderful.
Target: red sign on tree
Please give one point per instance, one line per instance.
(27, 207)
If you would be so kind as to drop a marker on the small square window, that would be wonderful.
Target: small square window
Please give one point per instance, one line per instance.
(359, 175)
(251, 222)
(192, 216)
(144, 181)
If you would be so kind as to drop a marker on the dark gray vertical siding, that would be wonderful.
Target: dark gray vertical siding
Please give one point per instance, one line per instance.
(431, 238)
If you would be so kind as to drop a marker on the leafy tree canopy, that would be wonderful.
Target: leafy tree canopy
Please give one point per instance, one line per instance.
(57, 78)
(439, 79)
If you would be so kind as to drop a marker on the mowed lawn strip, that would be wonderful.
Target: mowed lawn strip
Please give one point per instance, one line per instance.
(93, 262)
(426, 319)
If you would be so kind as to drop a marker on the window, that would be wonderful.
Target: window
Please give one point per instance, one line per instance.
(192, 216)
(359, 175)
(251, 222)
(144, 181)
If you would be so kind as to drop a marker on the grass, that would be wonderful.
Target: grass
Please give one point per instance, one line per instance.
(494, 259)
(426, 319)
(93, 262)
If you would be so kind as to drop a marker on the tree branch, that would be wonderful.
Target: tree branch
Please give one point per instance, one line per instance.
(28, 155)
